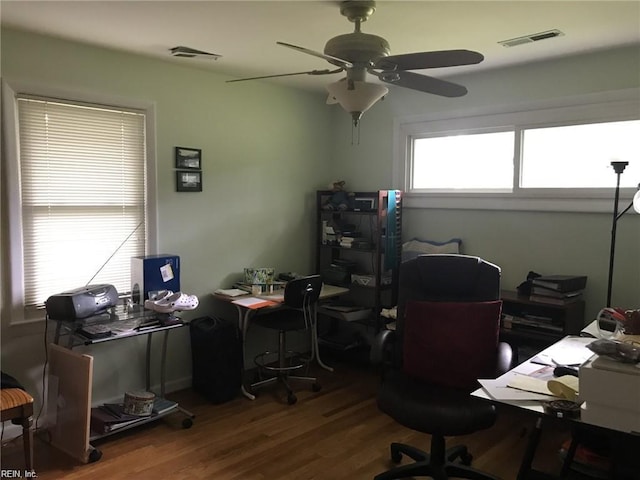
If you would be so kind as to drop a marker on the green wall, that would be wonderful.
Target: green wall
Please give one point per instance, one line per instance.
(265, 149)
(518, 241)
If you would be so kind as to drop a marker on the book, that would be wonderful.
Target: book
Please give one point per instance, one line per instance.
(554, 300)
(548, 292)
(104, 421)
(231, 292)
(162, 405)
(561, 283)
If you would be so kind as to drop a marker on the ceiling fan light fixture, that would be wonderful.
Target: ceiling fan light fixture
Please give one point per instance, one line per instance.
(358, 99)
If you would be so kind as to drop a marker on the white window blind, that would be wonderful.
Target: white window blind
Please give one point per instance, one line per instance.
(83, 195)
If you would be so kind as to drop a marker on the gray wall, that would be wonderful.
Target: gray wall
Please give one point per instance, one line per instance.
(266, 149)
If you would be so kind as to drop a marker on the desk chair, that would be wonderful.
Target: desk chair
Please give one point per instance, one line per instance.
(448, 324)
(298, 313)
(17, 406)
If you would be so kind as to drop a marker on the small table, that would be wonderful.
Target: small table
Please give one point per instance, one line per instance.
(127, 322)
(245, 314)
(568, 347)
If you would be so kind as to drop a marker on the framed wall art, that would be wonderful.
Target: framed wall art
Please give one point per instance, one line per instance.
(188, 158)
(188, 181)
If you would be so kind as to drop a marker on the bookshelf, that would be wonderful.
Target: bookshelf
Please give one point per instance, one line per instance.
(531, 326)
(359, 248)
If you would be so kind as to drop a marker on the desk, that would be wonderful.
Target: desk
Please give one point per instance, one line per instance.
(569, 347)
(245, 314)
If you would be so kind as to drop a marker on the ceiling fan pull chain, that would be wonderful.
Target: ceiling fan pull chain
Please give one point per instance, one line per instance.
(355, 127)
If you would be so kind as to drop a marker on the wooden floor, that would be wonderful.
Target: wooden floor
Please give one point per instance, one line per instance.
(337, 433)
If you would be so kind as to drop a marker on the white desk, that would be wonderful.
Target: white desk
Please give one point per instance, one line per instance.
(568, 350)
(245, 314)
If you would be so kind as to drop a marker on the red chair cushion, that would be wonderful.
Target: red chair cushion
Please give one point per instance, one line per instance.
(451, 343)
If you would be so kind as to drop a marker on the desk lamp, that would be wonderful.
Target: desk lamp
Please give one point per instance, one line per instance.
(618, 168)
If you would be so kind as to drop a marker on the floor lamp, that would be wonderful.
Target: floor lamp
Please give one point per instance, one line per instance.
(618, 168)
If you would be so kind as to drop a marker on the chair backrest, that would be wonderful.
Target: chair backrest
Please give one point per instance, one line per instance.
(449, 278)
(303, 291)
(444, 278)
(451, 343)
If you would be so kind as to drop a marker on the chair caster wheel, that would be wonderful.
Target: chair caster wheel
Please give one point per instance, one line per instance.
(466, 458)
(291, 399)
(95, 455)
(396, 457)
(316, 387)
(187, 423)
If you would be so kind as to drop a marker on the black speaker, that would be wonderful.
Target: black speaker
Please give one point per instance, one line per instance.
(216, 353)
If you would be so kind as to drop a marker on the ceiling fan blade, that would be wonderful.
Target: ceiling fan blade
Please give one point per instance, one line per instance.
(329, 58)
(420, 60)
(312, 72)
(423, 83)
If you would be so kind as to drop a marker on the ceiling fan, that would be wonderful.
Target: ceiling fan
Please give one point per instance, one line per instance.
(359, 53)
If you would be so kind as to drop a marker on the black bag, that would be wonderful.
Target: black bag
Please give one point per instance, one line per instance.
(216, 354)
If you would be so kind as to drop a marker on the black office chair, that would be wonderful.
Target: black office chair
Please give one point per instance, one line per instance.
(447, 328)
(299, 313)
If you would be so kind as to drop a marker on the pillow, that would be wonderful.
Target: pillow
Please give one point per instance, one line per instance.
(415, 247)
(451, 343)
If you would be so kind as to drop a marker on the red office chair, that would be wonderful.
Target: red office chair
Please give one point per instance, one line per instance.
(448, 324)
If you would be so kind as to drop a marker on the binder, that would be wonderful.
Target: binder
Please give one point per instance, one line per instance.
(561, 283)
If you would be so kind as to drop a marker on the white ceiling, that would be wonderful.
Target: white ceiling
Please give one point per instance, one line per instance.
(245, 32)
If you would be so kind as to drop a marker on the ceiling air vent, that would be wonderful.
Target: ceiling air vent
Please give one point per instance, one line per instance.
(192, 53)
(534, 37)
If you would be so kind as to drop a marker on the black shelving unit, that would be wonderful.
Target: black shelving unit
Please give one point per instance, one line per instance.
(359, 248)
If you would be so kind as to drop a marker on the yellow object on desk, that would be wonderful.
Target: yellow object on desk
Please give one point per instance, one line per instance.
(565, 387)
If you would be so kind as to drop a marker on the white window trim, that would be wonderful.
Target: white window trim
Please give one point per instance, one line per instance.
(12, 272)
(606, 106)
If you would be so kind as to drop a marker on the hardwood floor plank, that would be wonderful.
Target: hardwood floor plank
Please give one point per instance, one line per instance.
(337, 433)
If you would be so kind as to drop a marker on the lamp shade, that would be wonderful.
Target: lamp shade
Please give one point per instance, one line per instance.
(356, 97)
(636, 201)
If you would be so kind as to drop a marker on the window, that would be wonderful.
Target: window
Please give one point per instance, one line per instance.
(480, 161)
(550, 158)
(82, 207)
(577, 156)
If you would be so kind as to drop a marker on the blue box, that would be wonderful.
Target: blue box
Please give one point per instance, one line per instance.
(151, 273)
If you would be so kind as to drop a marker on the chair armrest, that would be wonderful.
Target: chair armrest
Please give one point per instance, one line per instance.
(381, 347)
(505, 358)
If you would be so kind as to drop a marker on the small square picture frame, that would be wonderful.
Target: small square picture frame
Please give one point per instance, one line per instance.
(188, 158)
(188, 181)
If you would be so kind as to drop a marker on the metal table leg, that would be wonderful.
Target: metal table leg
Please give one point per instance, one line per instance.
(243, 323)
(148, 367)
(315, 350)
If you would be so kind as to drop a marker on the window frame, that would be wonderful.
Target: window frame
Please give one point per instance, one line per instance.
(594, 108)
(12, 251)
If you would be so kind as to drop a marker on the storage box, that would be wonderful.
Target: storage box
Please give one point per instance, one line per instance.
(259, 276)
(152, 273)
(609, 383)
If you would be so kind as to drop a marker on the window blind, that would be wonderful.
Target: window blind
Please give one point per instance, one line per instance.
(83, 194)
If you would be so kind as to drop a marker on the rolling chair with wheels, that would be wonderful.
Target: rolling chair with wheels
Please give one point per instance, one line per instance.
(448, 323)
(298, 313)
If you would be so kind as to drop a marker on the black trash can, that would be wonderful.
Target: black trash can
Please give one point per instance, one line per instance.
(216, 354)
